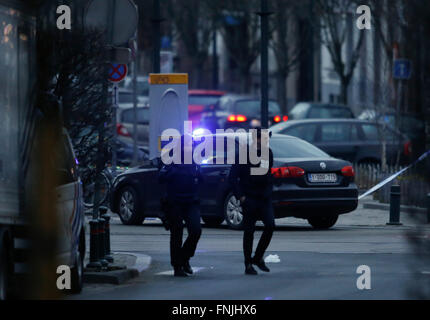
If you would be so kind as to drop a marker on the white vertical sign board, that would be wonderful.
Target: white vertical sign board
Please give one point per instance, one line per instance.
(168, 101)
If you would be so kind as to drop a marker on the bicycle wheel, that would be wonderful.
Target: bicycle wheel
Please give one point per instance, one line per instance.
(89, 191)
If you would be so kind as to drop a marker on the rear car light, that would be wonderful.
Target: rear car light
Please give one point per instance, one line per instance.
(236, 118)
(407, 148)
(348, 171)
(285, 118)
(288, 172)
(122, 131)
(240, 118)
(277, 119)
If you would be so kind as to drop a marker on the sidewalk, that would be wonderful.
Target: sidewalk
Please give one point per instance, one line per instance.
(370, 213)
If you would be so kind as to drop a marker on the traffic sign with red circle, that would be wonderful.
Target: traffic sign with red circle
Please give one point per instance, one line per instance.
(117, 72)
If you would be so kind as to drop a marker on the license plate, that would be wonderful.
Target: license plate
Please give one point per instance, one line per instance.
(322, 177)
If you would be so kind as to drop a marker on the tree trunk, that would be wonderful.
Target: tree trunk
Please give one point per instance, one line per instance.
(344, 91)
(281, 91)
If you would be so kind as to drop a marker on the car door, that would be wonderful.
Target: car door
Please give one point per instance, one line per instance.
(69, 201)
(372, 142)
(338, 139)
(215, 172)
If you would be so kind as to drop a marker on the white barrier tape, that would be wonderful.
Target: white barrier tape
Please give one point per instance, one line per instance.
(394, 176)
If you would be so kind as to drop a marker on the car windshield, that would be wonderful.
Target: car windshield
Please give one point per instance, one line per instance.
(253, 107)
(202, 99)
(142, 116)
(295, 148)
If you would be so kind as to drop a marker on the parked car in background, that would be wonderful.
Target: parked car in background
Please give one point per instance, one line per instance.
(353, 140)
(409, 124)
(198, 100)
(125, 97)
(239, 111)
(308, 184)
(313, 110)
(125, 124)
(142, 85)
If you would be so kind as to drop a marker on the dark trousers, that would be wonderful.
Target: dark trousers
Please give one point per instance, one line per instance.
(190, 213)
(257, 209)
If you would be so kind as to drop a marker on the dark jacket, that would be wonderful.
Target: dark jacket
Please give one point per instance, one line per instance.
(245, 184)
(182, 181)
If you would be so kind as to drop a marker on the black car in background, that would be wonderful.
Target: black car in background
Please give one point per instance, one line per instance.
(352, 140)
(308, 184)
(313, 110)
(238, 111)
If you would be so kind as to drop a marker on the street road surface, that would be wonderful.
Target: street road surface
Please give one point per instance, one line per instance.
(313, 264)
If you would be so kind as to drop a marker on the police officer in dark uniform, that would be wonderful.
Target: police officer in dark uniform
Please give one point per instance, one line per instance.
(254, 192)
(182, 205)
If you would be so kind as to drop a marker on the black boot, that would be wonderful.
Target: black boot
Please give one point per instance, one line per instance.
(249, 269)
(179, 272)
(260, 264)
(187, 268)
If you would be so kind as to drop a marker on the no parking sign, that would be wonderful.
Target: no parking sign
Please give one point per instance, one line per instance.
(117, 72)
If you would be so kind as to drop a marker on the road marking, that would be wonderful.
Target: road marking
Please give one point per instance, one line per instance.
(272, 258)
(170, 272)
(425, 272)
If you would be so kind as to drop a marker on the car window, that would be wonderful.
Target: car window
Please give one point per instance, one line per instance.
(338, 132)
(370, 132)
(295, 148)
(253, 107)
(299, 111)
(305, 132)
(142, 116)
(329, 112)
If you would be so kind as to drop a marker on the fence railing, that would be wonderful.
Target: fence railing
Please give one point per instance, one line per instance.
(413, 186)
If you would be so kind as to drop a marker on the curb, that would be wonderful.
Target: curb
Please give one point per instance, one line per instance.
(117, 277)
(110, 277)
(386, 206)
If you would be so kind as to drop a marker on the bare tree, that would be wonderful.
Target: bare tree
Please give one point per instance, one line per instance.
(288, 43)
(193, 23)
(240, 28)
(336, 23)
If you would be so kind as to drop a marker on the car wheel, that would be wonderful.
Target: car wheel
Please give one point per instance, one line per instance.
(128, 207)
(213, 221)
(77, 274)
(233, 212)
(325, 222)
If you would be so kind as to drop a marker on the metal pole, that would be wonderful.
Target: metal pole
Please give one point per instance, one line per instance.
(394, 206)
(156, 21)
(135, 111)
(264, 14)
(115, 133)
(428, 207)
(215, 61)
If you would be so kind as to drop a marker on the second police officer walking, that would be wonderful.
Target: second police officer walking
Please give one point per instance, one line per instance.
(255, 194)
